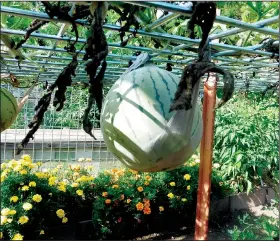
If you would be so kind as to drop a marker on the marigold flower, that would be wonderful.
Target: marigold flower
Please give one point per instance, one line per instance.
(188, 187)
(5, 211)
(187, 177)
(27, 206)
(140, 189)
(80, 192)
(3, 220)
(26, 158)
(60, 213)
(115, 186)
(104, 194)
(14, 199)
(147, 210)
(128, 200)
(32, 184)
(12, 212)
(139, 206)
(74, 184)
(18, 236)
(108, 201)
(23, 172)
(3, 166)
(148, 178)
(61, 188)
(170, 195)
(64, 220)
(146, 183)
(172, 184)
(184, 200)
(23, 219)
(161, 208)
(37, 198)
(42, 232)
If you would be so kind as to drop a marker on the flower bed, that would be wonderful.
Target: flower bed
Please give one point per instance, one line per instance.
(120, 202)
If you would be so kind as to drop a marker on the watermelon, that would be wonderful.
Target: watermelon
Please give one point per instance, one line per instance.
(8, 109)
(137, 126)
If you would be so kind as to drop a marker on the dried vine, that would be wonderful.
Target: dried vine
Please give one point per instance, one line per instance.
(204, 15)
(64, 79)
(96, 51)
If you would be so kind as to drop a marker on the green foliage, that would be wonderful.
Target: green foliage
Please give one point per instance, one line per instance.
(246, 140)
(255, 228)
(119, 202)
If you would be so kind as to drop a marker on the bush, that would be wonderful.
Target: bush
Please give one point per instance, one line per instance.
(119, 202)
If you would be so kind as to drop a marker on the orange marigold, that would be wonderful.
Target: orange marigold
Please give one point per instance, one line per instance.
(128, 200)
(140, 189)
(108, 201)
(104, 194)
(139, 206)
(147, 210)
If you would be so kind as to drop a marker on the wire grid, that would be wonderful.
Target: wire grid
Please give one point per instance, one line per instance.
(59, 141)
(60, 138)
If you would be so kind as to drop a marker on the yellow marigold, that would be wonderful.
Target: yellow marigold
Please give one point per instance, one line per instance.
(39, 164)
(139, 206)
(26, 158)
(170, 195)
(172, 184)
(61, 188)
(23, 172)
(122, 197)
(60, 213)
(37, 198)
(184, 200)
(80, 192)
(23, 219)
(81, 159)
(3, 166)
(147, 210)
(188, 187)
(17, 168)
(140, 189)
(18, 236)
(187, 177)
(42, 232)
(148, 178)
(146, 183)
(64, 220)
(161, 208)
(5, 211)
(128, 200)
(52, 181)
(108, 201)
(32, 184)
(41, 175)
(115, 186)
(14, 199)
(12, 212)
(74, 184)
(3, 220)
(104, 194)
(27, 206)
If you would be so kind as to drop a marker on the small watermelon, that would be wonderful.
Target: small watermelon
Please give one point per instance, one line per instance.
(137, 126)
(8, 109)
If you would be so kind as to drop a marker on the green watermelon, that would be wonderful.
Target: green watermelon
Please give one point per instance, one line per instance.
(8, 109)
(137, 126)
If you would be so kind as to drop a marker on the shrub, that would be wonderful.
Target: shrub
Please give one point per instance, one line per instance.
(119, 201)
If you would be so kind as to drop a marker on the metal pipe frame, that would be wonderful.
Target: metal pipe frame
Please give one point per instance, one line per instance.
(174, 11)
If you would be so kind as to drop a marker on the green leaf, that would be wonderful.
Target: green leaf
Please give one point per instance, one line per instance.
(249, 186)
(239, 157)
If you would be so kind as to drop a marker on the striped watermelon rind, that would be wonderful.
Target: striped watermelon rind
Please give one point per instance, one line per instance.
(135, 121)
(8, 109)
